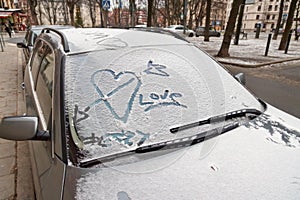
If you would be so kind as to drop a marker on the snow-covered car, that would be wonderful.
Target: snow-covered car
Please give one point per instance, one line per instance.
(30, 36)
(180, 30)
(136, 114)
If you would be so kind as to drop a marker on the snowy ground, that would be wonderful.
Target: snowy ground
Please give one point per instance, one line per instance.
(250, 50)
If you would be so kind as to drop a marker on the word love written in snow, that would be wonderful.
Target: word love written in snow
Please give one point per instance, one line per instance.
(156, 100)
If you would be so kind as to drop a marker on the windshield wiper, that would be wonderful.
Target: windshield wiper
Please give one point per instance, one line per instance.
(250, 113)
(182, 142)
(177, 143)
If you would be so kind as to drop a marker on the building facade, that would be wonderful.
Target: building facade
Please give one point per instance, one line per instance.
(262, 12)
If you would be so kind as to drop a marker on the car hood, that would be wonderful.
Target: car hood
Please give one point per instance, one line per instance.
(259, 160)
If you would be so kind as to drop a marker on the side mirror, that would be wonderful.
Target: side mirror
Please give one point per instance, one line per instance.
(241, 78)
(21, 128)
(21, 45)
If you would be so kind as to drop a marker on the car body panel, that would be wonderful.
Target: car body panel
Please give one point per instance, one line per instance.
(47, 167)
(254, 161)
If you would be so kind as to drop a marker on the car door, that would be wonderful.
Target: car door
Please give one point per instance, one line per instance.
(39, 80)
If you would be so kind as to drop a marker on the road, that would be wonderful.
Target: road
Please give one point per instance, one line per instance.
(278, 85)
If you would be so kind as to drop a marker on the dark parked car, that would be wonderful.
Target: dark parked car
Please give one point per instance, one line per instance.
(136, 114)
(212, 33)
(30, 36)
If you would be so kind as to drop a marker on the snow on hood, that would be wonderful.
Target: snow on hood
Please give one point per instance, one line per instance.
(250, 162)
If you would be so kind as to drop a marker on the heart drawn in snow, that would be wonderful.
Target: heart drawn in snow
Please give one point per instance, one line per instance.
(117, 91)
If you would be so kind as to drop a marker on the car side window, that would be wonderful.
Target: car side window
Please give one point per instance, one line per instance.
(45, 83)
(37, 59)
(179, 28)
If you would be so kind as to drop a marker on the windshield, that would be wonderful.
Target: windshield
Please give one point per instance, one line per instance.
(127, 94)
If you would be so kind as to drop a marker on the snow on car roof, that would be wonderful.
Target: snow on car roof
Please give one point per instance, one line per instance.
(97, 38)
(130, 90)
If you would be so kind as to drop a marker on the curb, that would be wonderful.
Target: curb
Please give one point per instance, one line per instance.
(258, 64)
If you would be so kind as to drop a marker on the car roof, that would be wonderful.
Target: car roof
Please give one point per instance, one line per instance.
(92, 39)
(38, 28)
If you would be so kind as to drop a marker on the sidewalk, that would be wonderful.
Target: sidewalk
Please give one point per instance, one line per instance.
(15, 170)
(250, 52)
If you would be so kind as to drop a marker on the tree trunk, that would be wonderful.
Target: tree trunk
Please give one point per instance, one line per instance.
(239, 24)
(150, 9)
(288, 25)
(32, 6)
(71, 5)
(297, 16)
(224, 50)
(71, 10)
(41, 13)
(207, 21)
(92, 9)
(278, 20)
(66, 20)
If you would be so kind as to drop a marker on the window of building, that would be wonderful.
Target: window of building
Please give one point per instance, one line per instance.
(285, 7)
(268, 17)
(273, 16)
(276, 8)
(259, 8)
(257, 16)
(270, 8)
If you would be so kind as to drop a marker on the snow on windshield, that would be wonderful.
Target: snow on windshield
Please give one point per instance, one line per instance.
(126, 97)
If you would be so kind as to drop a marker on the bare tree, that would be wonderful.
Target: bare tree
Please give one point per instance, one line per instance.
(193, 7)
(47, 7)
(224, 50)
(207, 20)
(297, 19)
(101, 13)
(278, 20)
(92, 9)
(71, 5)
(288, 25)
(200, 14)
(150, 10)
(41, 13)
(55, 8)
(32, 5)
(66, 20)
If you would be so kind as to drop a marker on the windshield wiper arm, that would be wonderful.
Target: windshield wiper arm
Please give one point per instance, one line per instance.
(218, 118)
(176, 143)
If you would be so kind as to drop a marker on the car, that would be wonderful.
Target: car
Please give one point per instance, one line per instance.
(139, 114)
(30, 36)
(180, 29)
(200, 31)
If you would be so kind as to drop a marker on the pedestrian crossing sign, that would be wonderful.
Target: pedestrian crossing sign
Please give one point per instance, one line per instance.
(106, 4)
